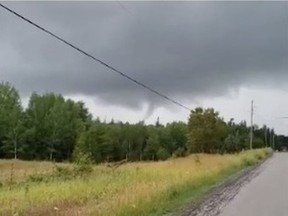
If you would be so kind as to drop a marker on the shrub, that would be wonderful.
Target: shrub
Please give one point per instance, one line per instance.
(82, 169)
(63, 173)
(83, 164)
(37, 177)
(248, 161)
(260, 155)
(162, 154)
(180, 152)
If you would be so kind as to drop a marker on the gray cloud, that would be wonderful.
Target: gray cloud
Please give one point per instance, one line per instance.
(186, 50)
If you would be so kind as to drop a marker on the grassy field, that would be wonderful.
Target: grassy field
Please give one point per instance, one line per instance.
(141, 188)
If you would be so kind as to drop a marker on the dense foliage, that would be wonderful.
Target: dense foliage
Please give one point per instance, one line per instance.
(55, 128)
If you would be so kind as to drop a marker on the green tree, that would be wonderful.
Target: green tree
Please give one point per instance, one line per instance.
(232, 143)
(206, 130)
(153, 145)
(177, 132)
(53, 126)
(10, 120)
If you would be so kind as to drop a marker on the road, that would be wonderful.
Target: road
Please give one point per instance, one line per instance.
(266, 194)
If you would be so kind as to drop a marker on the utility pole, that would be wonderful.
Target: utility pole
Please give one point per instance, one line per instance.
(251, 126)
(271, 140)
(266, 143)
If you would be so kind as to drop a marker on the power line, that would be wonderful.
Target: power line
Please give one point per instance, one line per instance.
(124, 7)
(95, 59)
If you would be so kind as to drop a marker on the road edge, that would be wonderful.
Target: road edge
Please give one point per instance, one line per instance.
(220, 194)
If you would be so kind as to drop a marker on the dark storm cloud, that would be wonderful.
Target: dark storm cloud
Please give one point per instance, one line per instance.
(183, 49)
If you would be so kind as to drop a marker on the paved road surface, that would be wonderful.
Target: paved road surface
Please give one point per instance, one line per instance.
(266, 194)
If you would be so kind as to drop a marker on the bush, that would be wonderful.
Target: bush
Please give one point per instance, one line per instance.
(83, 164)
(260, 155)
(162, 154)
(62, 173)
(258, 143)
(248, 161)
(82, 158)
(82, 168)
(36, 178)
(180, 152)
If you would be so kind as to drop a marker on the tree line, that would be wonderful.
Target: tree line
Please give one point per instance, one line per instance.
(55, 128)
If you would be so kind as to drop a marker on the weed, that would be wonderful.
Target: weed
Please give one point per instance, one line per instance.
(36, 178)
(197, 159)
(248, 161)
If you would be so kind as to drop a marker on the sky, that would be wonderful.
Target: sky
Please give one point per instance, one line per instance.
(211, 54)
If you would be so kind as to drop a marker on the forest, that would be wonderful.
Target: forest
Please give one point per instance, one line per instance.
(58, 129)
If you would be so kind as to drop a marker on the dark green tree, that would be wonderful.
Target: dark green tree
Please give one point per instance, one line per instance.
(206, 130)
(11, 120)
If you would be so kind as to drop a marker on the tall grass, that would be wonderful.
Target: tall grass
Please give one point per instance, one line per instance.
(22, 169)
(142, 188)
